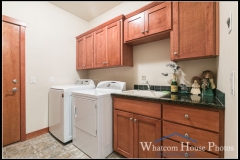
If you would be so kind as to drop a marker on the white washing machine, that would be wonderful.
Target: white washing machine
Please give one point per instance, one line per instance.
(59, 108)
(93, 118)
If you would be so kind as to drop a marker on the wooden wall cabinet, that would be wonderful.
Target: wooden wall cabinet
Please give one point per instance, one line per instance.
(195, 30)
(109, 49)
(152, 21)
(84, 54)
(131, 128)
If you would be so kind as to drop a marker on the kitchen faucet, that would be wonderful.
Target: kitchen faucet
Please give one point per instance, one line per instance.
(148, 85)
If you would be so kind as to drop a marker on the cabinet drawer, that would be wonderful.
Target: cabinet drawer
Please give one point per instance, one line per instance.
(175, 150)
(149, 109)
(202, 137)
(194, 117)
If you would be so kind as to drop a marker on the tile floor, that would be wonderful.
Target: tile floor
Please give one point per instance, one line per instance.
(45, 146)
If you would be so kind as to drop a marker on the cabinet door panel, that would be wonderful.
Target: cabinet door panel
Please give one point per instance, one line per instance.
(81, 54)
(134, 27)
(158, 18)
(113, 44)
(123, 133)
(146, 130)
(100, 47)
(89, 50)
(193, 34)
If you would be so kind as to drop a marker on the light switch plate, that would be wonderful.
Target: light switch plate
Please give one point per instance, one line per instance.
(232, 77)
(143, 78)
(51, 79)
(33, 80)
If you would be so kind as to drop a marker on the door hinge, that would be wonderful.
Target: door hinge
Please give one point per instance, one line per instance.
(95, 106)
(96, 131)
(62, 95)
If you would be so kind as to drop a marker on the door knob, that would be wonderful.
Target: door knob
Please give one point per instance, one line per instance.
(13, 90)
(14, 81)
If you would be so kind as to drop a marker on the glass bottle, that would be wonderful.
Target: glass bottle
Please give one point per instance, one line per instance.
(174, 85)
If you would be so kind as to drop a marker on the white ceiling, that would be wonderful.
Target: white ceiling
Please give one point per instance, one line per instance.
(87, 10)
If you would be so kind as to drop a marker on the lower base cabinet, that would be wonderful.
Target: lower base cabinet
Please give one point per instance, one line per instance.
(135, 135)
(145, 129)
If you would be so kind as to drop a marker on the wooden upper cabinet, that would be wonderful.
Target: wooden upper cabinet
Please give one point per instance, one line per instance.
(134, 27)
(152, 21)
(89, 51)
(100, 47)
(194, 33)
(158, 19)
(103, 47)
(114, 44)
(84, 54)
(81, 54)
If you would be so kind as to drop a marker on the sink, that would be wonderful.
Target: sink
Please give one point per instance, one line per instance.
(144, 93)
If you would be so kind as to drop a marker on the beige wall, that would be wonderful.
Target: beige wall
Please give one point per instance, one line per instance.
(50, 51)
(149, 59)
(227, 62)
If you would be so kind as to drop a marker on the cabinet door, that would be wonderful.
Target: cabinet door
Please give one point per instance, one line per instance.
(134, 27)
(193, 35)
(158, 18)
(80, 54)
(123, 133)
(89, 51)
(146, 130)
(100, 47)
(113, 44)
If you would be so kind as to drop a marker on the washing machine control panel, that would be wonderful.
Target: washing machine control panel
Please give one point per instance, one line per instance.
(84, 82)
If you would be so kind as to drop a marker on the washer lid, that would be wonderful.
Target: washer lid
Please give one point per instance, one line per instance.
(80, 83)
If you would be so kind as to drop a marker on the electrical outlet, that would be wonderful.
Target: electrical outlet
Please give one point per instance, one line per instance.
(143, 78)
(33, 80)
(232, 77)
(51, 79)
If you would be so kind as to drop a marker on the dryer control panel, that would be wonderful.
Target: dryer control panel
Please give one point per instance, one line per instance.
(117, 85)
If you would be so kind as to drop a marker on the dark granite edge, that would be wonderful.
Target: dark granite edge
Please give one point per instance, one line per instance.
(162, 99)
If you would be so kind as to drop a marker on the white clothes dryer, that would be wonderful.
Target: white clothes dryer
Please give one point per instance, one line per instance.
(93, 118)
(59, 108)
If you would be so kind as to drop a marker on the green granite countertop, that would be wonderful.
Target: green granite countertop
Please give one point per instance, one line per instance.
(187, 99)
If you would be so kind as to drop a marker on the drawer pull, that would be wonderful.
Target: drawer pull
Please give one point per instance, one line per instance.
(130, 119)
(186, 116)
(135, 120)
(186, 135)
(186, 155)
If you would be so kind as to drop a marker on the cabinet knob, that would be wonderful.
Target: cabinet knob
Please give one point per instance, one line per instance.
(135, 120)
(146, 30)
(130, 119)
(175, 53)
(186, 116)
(186, 155)
(186, 135)
(142, 32)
